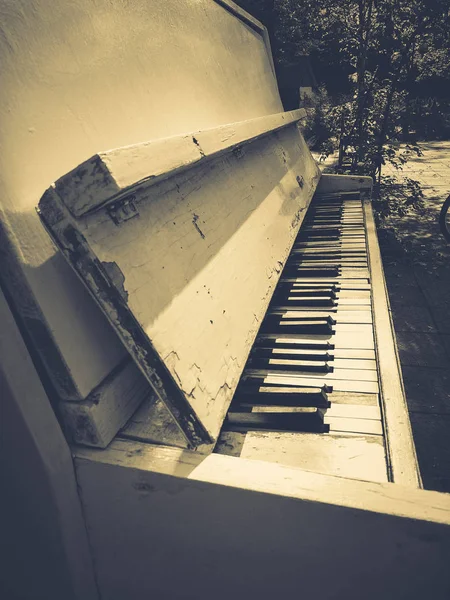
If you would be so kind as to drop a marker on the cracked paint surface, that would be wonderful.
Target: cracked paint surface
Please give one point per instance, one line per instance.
(201, 304)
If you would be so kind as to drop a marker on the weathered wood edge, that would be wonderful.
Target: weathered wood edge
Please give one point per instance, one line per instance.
(401, 453)
(272, 478)
(111, 175)
(95, 421)
(330, 183)
(41, 344)
(78, 253)
(24, 389)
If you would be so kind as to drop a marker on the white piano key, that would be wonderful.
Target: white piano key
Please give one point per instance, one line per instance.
(355, 457)
(367, 426)
(356, 341)
(354, 411)
(340, 353)
(341, 316)
(353, 363)
(345, 385)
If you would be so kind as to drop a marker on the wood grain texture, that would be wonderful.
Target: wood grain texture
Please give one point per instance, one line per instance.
(187, 282)
(399, 440)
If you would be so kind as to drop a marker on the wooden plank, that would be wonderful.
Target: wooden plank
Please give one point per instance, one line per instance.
(113, 173)
(96, 421)
(400, 445)
(159, 276)
(395, 538)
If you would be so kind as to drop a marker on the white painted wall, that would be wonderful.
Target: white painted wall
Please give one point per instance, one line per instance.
(79, 77)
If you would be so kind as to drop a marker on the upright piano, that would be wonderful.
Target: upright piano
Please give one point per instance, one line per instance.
(258, 436)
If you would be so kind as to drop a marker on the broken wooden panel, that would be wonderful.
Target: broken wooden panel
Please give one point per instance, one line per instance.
(185, 269)
(96, 421)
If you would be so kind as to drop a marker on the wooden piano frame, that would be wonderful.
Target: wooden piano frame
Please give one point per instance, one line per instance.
(134, 501)
(173, 522)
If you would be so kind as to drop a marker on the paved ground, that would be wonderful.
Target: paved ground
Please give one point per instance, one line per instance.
(417, 267)
(416, 260)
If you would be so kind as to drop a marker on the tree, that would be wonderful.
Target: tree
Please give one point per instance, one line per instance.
(379, 61)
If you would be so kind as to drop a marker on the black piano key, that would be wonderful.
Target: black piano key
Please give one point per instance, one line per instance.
(263, 395)
(288, 364)
(270, 339)
(310, 303)
(329, 271)
(288, 313)
(294, 353)
(290, 422)
(313, 327)
(307, 292)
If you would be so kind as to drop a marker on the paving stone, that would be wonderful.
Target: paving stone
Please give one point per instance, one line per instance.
(421, 349)
(437, 294)
(399, 273)
(445, 339)
(408, 317)
(438, 484)
(441, 316)
(431, 437)
(427, 390)
(411, 295)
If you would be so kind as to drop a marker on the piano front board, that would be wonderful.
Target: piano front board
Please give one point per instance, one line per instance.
(185, 269)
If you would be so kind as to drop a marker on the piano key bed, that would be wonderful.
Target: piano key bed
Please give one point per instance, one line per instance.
(309, 394)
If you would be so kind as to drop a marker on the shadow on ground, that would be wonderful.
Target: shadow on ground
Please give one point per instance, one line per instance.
(416, 259)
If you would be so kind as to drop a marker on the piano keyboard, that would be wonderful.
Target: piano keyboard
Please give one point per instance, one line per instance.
(312, 371)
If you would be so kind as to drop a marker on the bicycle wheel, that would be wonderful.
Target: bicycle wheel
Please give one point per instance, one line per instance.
(444, 219)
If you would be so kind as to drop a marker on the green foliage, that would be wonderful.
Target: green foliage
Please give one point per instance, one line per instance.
(396, 197)
(385, 63)
(385, 70)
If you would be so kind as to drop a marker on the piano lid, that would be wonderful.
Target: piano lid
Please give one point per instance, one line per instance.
(182, 253)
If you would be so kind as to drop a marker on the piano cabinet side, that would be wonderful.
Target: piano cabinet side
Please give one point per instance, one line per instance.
(170, 523)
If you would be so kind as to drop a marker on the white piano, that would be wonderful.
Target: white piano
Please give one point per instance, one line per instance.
(254, 441)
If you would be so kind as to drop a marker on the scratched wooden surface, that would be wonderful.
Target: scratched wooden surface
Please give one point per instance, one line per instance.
(198, 266)
(261, 528)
